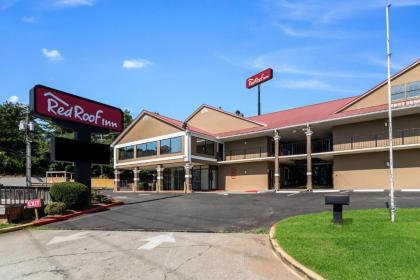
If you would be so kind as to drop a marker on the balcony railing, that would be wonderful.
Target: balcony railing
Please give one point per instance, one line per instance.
(249, 153)
(401, 137)
(318, 146)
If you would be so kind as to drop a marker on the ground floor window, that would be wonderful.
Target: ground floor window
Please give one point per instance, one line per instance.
(173, 179)
(204, 178)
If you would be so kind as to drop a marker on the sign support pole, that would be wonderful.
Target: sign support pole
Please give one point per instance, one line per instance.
(83, 170)
(259, 101)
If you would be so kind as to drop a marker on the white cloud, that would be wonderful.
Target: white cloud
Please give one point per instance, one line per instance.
(136, 63)
(4, 4)
(73, 3)
(53, 55)
(28, 19)
(13, 99)
(285, 61)
(327, 12)
(310, 84)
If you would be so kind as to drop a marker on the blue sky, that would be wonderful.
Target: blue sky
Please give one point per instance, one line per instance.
(172, 56)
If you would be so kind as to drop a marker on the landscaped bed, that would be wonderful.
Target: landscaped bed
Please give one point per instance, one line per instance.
(367, 246)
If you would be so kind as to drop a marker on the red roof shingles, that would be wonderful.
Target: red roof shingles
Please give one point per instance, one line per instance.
(286, 118)
(295, 116)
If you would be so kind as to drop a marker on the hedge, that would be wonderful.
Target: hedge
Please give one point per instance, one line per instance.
(73, 194)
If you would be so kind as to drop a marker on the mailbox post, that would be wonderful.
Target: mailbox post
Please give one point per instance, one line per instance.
(337, 201)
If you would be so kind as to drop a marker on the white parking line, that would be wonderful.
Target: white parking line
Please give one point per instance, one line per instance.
(325, 191)
(293, 194)
(370, 190)
(410, 190)
(287, 192)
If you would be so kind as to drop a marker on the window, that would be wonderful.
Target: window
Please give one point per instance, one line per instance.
(170, 146)
(398, 92)
(146, 149)
(203, 146)
(126, 152)
(413, 89)
(405, 91)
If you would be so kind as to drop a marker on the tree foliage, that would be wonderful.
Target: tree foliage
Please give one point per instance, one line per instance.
(13, 145)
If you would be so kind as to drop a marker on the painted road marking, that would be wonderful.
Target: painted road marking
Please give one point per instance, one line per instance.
(155, 241)
(370, 190)
(325, 191)
(288, 192)
(71, 237)
(292, 194)
(410, 190)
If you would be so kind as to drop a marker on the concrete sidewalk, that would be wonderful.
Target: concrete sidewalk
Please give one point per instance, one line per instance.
(55, 254)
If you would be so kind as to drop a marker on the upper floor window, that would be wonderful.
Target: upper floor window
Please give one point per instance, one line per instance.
(146, 149)
(170, 146)
(405, 91)
(203, 146)
(126, 152)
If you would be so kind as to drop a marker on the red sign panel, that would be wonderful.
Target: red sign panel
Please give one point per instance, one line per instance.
(259, 78)
(55, 104)
(34, 203)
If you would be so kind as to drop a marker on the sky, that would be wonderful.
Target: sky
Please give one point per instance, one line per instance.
(172, 56)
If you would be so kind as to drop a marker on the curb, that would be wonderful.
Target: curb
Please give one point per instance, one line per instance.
(15, 228)
(288, 260)
(49, 220)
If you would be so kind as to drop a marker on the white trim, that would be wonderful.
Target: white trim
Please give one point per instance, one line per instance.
(150, 160)
(410, 190)
(369, 190)
(153, 139)
(188, 176)
(325, 191)
(203, 158)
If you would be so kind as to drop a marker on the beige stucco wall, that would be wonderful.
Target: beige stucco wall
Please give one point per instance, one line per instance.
(364, 133)
(380, 95)
(147, 127)
(214, 121)
(243, 176)
(370, 171)
(248, 148)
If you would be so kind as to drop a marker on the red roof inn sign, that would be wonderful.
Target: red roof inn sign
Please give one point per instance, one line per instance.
(259, 78)
(55, 104)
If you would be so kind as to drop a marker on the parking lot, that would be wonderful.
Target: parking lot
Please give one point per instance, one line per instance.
(211, 212)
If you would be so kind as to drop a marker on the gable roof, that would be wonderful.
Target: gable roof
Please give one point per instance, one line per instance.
(173, 122)
(396, 75)
(223, 112)
(295, 116)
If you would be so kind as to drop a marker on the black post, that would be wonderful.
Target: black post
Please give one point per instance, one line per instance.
(259, 101)
(338, 214)
(83, 170)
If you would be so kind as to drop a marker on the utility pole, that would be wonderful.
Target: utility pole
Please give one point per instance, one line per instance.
(391, 146)
(27, 126)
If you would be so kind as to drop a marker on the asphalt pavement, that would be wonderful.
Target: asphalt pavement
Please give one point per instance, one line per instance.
(211, 212)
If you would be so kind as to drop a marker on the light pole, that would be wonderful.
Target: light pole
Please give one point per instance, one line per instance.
(27, 126)
(391, 152)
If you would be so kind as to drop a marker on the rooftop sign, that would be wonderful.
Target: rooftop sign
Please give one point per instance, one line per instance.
(59, 105)
(259, 78)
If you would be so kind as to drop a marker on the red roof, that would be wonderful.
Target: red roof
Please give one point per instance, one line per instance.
(296, 116)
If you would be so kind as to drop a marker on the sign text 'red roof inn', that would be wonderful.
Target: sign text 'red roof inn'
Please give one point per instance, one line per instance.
(54, 104)
(259, 78)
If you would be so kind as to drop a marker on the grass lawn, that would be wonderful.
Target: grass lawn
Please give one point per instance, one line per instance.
(6, 225)
(367, 246)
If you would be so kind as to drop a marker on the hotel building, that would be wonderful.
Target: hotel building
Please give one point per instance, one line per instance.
(340, 144)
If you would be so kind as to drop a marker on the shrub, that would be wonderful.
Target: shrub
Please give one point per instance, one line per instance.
(73, 194)
(55, 208)
(97, 197)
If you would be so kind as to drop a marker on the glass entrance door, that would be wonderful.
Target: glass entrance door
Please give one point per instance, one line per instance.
(204, 178)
